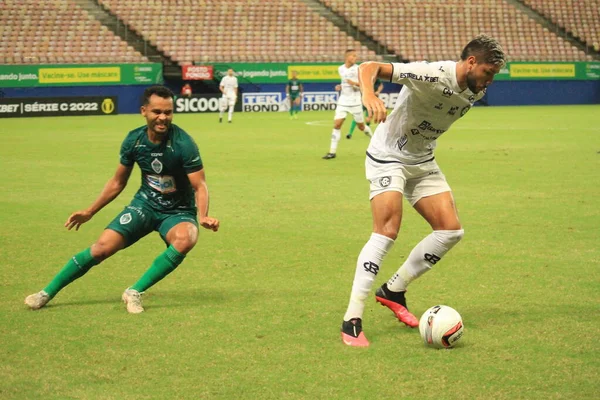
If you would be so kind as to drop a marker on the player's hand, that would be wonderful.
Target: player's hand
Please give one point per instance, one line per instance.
(209, 223)
(375, 107)
(77, 219)
(338, 88)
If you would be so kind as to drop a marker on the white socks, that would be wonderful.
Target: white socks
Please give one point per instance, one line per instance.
(424, 256)
(367, 267)
(368, 130)
(230, 113)
(335, 138)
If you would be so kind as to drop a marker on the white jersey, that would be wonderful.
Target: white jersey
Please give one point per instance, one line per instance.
(429, 103)
(349, 95)
(230, 85)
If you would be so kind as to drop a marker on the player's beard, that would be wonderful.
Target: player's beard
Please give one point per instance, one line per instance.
(472, 83)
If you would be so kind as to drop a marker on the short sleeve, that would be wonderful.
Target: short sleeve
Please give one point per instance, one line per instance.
(126, 156)
(236, 82)
(222, 81)
(192, 161)
(414, 74)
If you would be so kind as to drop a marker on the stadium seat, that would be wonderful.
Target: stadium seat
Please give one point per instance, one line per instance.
(54, 31)
(237, 30)
(400, 26)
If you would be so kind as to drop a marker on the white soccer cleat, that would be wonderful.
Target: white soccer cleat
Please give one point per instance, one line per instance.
(133, 301)
(37, 300)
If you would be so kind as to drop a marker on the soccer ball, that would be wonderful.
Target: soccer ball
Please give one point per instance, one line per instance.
(441, 327)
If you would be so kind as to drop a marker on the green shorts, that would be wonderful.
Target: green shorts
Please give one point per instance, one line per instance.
(139, 219)
(293, 97)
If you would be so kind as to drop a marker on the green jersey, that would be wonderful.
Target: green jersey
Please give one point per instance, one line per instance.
(164, 166)
(294, 87)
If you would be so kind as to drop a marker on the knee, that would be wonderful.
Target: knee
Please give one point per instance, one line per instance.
(184, 242)
(103, 249)
(389, 231)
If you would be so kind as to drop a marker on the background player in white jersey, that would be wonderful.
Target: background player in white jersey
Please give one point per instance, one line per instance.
(348, 102)
(400, 163)
(229, 88)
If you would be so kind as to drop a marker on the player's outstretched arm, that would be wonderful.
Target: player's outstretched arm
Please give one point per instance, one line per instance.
(368, 72)
(112, 189)
(198, 182)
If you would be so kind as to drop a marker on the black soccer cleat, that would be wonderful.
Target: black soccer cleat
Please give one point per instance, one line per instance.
(352, 333)
(329, 156)
(396, 302)
(220, 120)
(348, 136)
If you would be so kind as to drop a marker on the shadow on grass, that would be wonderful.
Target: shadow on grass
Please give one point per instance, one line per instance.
(155, 300)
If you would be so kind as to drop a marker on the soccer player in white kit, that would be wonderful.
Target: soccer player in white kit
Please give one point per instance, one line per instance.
(400, 163)
(348, 102)
(229, 88)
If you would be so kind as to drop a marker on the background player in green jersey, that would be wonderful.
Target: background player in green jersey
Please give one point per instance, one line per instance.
(294, 90)
(172, 200)
(378, 87)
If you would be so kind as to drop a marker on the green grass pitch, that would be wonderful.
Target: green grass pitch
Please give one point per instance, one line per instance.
(254, 311)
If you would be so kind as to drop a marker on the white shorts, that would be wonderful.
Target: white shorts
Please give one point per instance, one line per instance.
(228, 100)
(356, 111)
(413, 181)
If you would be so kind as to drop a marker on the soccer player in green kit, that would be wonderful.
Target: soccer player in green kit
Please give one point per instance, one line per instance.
(294, 90)
(378, 87)
(172, 199)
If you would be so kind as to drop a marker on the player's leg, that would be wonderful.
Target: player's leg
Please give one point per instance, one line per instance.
(387, 182)
(124, 230)
(108, 244)
(222, 107)
(338, 121)
(351, 131)
(231, 106)
(432, 198)
(291, 105)
(180, 233)
(359, 117)
(386, 209)
(298, 106)
(439, 211)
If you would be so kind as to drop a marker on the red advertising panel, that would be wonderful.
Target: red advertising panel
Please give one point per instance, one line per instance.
(197, 72)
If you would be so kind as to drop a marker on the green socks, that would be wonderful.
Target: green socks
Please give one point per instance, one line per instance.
(75, 268)
(352, 128)
(82, 262)
(162, 266)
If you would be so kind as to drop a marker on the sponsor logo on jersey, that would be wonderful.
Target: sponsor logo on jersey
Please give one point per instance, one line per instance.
(426, 126)
(163, 184)
(156, 166)
(453, 110)
(425, 78)
(447, 92)
(415, 131)
(125, 219)
(465, 110)
(439, 106)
